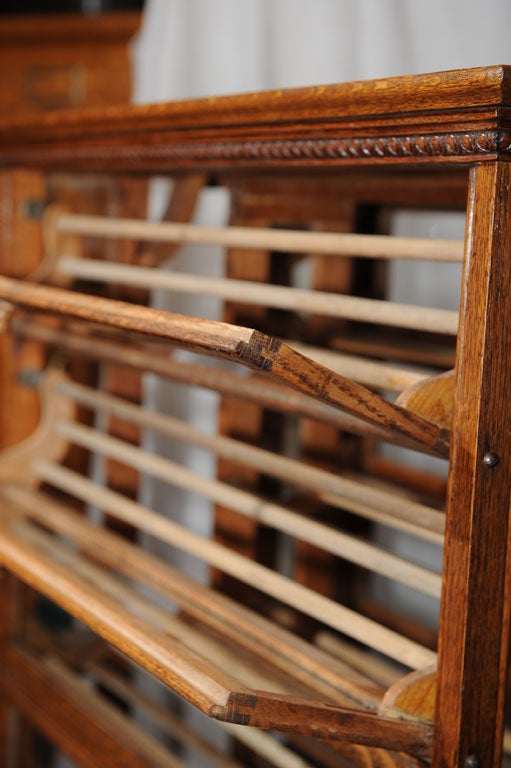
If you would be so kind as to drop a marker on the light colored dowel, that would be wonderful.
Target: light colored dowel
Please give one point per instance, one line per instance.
(193, 678)
(377, 669)
(215, 652)
(300, 300)
(391, 520)
(345, 492)
(337, 543)
(289, 241)
(297, 596)
(259, 636)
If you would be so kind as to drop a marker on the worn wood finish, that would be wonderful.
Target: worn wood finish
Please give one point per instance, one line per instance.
(244, 345)
(477, 536)
(261, 638)
(453, 120)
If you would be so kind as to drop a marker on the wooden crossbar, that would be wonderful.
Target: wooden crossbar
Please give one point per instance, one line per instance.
(282, 297)
(289, 241)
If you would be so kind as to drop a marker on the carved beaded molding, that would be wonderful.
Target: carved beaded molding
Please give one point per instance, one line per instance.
(422, 146)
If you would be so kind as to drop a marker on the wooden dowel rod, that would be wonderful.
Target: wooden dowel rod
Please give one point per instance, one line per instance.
(243, 345)
(297, 596)
(347, 493)
(427, 524)
(282, 297)
(273, 515)
(266, 393)
(255, 634)
(215, 652)
(381, 671)
(189, 675)
(288, 241)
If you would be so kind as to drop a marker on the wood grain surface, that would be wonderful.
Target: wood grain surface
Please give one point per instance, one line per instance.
(474, 630)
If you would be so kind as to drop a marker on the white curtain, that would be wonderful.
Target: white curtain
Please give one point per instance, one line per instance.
(193, 48)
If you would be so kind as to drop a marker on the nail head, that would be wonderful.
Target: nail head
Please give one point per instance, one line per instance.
(490, 460)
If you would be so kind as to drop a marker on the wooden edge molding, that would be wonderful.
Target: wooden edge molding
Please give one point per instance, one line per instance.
(452, 146)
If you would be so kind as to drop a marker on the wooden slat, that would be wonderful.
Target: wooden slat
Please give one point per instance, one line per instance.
(266, 393)
(188, 674)
(382, 505)
(253, 633)
(335, 244)
(196, 680)
(273, 515)
(281, 297)
(243, 345)
(295, 595)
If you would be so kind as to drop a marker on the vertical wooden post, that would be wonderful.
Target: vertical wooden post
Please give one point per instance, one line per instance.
(474, 629)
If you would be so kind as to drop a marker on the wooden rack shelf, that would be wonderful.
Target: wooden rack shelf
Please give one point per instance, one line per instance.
(295, 625)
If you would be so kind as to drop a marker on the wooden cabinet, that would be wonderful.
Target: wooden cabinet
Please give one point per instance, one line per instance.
(345, 677)
(64, 62)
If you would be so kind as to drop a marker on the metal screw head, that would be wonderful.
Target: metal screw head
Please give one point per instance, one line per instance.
(472, 761)
(490, 460)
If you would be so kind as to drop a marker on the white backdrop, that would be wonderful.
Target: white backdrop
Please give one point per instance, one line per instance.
(202, 47)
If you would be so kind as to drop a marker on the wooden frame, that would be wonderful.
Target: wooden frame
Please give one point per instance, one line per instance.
(445, 120)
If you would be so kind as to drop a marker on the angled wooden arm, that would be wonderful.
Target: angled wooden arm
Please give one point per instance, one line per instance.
(244, 345)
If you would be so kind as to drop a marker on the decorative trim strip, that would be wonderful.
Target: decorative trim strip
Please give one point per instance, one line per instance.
(381, 147)
(463, 145)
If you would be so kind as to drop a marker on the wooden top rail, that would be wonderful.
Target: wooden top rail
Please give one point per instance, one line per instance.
(243, 345)
(453, 117)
